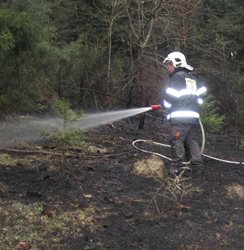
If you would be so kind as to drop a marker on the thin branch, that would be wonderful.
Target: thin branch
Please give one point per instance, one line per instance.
(148, 35)
(131, 25)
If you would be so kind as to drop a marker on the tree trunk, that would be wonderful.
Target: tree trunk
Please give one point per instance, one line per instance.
(18, 74)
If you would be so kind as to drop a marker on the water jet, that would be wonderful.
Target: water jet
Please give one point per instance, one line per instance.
(25, 129)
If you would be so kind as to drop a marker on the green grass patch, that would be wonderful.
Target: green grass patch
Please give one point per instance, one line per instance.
(7, 160)
(26, 223)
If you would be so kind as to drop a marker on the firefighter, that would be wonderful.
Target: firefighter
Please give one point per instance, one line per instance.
(182, 102)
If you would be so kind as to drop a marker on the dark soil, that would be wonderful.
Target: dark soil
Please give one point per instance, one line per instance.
(109, 195)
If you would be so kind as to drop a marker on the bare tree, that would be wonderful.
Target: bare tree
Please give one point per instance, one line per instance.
(142, 17)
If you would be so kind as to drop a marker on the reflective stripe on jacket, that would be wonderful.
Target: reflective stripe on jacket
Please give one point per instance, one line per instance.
(182, 97)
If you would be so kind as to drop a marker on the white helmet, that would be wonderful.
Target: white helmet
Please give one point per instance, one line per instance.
(178, 59)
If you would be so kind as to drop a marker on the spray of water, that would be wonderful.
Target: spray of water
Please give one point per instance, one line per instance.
(21, 130)
(94, 120)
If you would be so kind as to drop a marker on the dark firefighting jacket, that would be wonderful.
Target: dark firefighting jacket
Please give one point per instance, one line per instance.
(183, 97)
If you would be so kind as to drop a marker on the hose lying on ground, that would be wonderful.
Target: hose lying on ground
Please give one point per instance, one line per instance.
(166, 145)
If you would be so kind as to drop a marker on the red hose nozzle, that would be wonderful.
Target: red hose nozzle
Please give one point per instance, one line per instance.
(155, 107)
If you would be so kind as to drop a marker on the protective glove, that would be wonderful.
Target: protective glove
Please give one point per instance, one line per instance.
(156, 107)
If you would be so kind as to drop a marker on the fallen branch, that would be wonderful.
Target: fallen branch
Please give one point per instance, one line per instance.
(21, 151)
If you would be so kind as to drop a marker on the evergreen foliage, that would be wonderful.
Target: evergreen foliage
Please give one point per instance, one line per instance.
(91, 51)
(67, 135)
(211, 120)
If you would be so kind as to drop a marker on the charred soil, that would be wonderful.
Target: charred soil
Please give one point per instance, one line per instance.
(108, 195)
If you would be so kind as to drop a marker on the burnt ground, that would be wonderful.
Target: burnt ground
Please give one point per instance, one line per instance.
(108, 195)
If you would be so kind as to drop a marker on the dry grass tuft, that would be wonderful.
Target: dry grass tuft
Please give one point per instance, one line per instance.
(235, 191)
(153, 167)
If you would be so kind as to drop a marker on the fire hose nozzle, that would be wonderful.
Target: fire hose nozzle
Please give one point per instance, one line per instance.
(156, 107)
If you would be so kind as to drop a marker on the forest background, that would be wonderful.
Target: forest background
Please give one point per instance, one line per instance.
(102, 55)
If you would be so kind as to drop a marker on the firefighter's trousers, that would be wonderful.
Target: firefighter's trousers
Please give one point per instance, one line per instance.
(184, 144)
